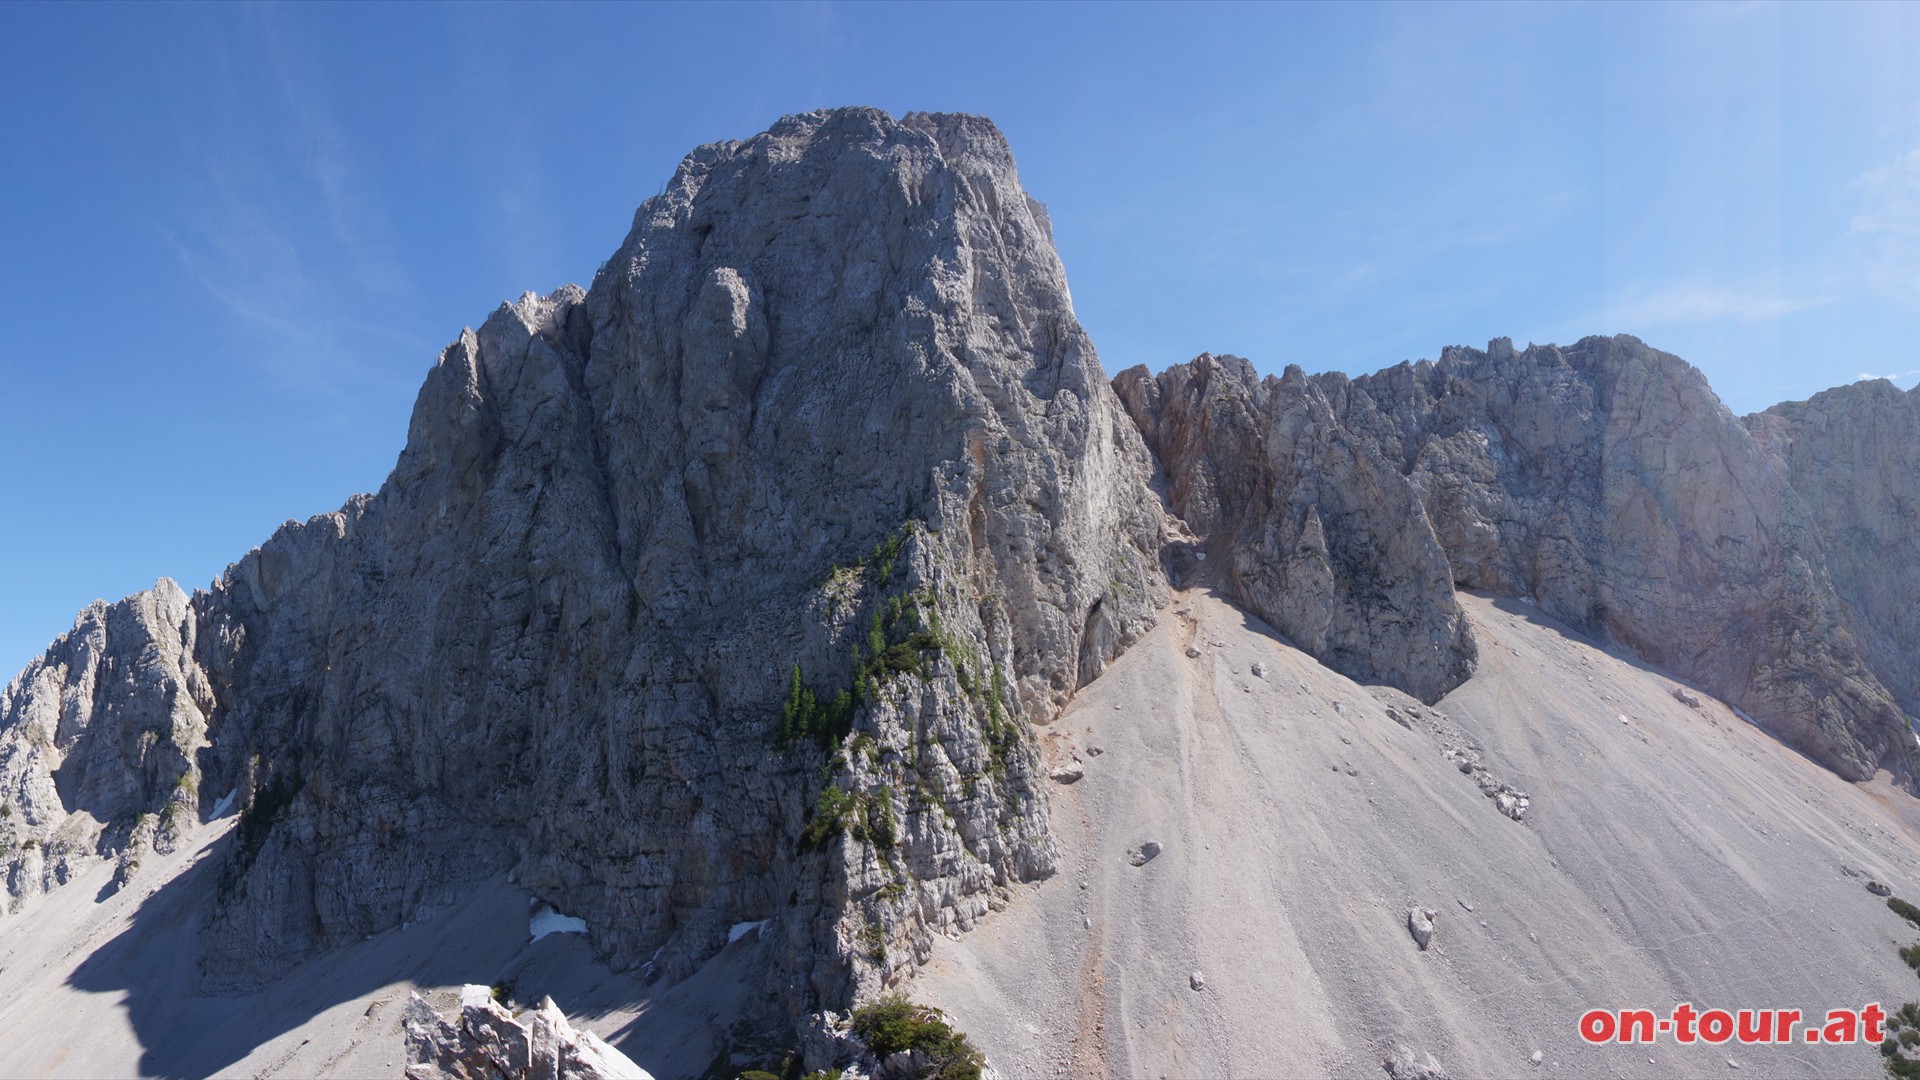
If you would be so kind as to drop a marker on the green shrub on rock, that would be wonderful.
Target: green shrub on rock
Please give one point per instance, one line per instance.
(893, 1024)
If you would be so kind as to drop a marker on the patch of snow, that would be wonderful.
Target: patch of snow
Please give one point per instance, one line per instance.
(225, 804)
(741, 930)
(546, 921)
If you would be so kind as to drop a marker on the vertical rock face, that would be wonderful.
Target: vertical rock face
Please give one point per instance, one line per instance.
(1316, 532)
(722, 592)
(1606, 483)
(1853, 454)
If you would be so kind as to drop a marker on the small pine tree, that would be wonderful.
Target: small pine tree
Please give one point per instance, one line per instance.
(790, 710)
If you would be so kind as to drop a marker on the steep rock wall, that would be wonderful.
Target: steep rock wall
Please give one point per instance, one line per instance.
(1315, 531)
(1853, 454)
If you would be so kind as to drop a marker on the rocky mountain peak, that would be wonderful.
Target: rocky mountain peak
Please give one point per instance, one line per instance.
(822, 459)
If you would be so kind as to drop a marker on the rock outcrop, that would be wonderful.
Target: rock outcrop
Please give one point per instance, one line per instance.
(486, 1041)
(1309, 526)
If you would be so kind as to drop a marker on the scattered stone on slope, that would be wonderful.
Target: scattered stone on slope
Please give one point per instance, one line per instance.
(1069, 773)
(1144, 854)
(1686, 697)
(1460, 749)
(1420, 925)
(1197, 981)
(1878, 889)
(488, 1042)
(1404, 1064)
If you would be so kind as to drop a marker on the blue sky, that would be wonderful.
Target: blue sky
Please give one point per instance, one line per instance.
(233, 238)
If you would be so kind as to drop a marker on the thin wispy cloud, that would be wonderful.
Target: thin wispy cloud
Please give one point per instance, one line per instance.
(1867, 376)
(287, 237)
(1886, 228)
(355, 217)
(1697, 301)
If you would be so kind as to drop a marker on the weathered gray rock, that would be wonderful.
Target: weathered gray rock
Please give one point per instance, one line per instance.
(1420, 925)
(1404, 1064)
(1312, 529)
(488, 1042)
(1607, 484)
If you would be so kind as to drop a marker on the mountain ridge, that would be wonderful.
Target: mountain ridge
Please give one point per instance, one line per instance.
(740, 586)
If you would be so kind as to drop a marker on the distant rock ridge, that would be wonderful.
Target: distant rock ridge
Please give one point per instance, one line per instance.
(1603, 482)
(1853, 455)
(726, 591)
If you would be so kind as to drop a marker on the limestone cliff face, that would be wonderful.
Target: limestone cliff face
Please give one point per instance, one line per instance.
(826, 410)
(1853, 454)
(1606, 483)
(1314, 530)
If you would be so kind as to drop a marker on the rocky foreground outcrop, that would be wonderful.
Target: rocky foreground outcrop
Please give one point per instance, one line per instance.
(486, 1041)
(726, 591)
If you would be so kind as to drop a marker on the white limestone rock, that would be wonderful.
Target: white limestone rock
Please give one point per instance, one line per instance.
(488, 1042)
